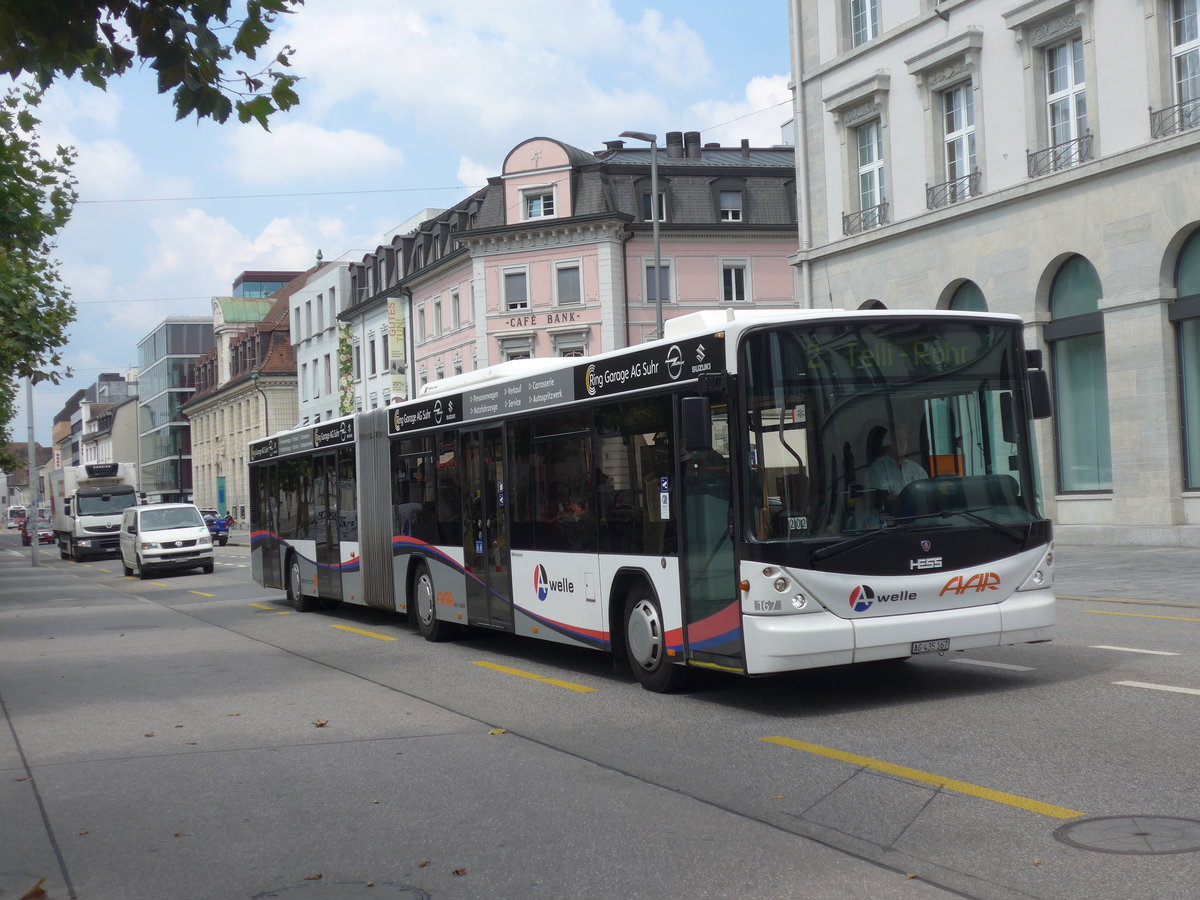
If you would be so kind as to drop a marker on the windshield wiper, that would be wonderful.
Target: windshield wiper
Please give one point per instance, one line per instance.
(1007, 530)
(857, 541)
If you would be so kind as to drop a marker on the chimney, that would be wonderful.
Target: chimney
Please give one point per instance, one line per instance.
(745, 148)
(613, 145)
(691, 143)
(674, 145)
(712, 145)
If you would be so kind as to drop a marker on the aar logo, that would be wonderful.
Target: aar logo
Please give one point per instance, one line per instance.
(861, 598)
(541, 583)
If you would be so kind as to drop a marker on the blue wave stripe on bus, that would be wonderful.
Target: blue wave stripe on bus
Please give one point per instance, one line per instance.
(261, 537)
(587, 636)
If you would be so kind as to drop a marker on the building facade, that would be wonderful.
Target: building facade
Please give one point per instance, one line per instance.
(556, 256)
(1038, 158)
(245, 389)
(166, 380)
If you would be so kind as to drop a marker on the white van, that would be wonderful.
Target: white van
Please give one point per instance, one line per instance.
(164, 536)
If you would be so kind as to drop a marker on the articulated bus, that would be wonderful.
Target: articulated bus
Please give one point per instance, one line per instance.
(756, 492)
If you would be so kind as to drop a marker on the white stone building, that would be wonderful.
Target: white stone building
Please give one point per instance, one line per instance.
(1038, 158)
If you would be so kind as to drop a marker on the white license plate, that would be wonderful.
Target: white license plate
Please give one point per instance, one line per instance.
(939, 646)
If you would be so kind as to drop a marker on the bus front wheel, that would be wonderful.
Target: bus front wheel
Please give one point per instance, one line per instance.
(421, 603)
(295, 589)
(646, 644)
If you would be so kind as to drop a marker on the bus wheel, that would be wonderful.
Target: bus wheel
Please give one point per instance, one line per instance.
(295, 589)
(421, 603)
(646, 644)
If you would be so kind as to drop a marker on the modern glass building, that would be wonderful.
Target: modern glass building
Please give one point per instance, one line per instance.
(167, 364)
(256, 285)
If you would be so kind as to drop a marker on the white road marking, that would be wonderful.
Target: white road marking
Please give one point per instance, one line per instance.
(992, 665)
(1133, 650)
(1160, 687)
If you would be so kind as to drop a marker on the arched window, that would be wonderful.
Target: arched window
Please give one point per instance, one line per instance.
(1185, 313)
(1076, 338)
(968, 298)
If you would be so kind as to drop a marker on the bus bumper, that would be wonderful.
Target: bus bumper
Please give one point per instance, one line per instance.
(807, 641)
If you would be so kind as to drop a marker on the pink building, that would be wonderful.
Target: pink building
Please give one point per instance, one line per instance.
(555, 256)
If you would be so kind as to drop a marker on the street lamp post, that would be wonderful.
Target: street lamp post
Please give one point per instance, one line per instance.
(653, 140)
(254, 376)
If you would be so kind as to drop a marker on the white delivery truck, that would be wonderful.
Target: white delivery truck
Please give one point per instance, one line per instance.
(86, 503)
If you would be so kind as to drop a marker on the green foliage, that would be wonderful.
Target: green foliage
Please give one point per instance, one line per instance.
(37, 194)
(182, 41)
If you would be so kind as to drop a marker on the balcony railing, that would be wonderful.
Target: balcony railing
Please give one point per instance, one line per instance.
(1060, 156)
(864, 219)
(1174, 119)
(938, 195)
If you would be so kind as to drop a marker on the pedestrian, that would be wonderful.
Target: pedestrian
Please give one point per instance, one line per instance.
(229, 520)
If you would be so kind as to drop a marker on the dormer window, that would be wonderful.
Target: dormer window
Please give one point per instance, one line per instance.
(731, 206)
(539, 203)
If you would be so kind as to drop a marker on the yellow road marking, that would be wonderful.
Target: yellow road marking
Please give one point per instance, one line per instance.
(282, 612)
(962, 787)
(382, 637)
(566, 685)
(109, 571)
(1105, 612)
(202, 594)
(160, 584)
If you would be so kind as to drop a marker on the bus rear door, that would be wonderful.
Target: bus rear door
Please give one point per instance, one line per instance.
(325, 526)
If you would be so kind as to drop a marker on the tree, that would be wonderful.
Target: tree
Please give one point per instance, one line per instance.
(37, 194)
(182, 42)
(188, 44)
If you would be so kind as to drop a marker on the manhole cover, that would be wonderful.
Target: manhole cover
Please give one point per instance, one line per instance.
(1143, 835)
(344, 890)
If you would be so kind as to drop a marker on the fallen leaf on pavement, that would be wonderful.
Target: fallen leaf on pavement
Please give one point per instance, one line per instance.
(422, 865)
(497, 731)
(321, 723)
(316, 876)
(35, 892)
(460, 871)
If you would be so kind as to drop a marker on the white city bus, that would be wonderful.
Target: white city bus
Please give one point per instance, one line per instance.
(720, 498)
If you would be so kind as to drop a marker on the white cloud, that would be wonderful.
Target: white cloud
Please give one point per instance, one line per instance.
(296, 151)
(759, 117)
(474, 174)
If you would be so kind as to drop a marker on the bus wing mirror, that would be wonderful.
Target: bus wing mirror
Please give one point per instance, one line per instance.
(697, 424)
(1039, 394)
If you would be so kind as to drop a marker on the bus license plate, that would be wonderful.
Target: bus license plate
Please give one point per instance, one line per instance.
(939, 646)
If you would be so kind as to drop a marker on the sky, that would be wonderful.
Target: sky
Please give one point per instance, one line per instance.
(402, 108)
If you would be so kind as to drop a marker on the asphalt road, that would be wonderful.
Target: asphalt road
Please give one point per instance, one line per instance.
(192, 737)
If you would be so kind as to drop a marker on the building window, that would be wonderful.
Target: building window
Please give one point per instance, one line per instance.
(539, 203)
(1185, 63)
(356, 361)
(419, 322)
(567, 284)
(733, 281)
(731, 206)
(328, 372)
(664, 281)
(1066, 100)
(385, 355)
(871, 181)
(308, 319)
(333, 309)
(968, 298)
(1185, 312)
(303, 381)
(320, 312)
(958, 122)
(437, 316)
(516, 292)
(648, 211)
(372, 359)
(316, 379)
(1076, 337)
(864, 21)
(455, 309)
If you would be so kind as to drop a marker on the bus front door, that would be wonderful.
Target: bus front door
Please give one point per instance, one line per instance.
(711, 608)
(325, 527)
(268, 546)
(485, 539)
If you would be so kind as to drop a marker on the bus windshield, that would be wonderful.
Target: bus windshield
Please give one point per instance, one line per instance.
(884, 422)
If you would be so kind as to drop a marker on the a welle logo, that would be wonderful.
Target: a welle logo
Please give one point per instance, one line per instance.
(543, 584)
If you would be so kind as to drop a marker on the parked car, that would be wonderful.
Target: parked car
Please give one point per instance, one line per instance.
(45, 532)
(217, 526)
(164, 536)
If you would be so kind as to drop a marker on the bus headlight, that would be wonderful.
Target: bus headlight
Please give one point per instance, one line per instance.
(1042, 576)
